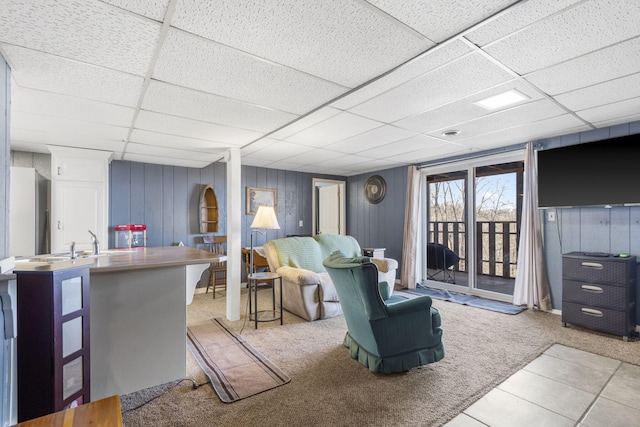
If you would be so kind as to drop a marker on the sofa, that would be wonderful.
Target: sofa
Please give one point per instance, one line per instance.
(307, 289)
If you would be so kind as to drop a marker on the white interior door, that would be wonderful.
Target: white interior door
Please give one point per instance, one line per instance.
(329, 210)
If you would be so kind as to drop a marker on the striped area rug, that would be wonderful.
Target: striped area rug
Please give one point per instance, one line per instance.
(235, 368)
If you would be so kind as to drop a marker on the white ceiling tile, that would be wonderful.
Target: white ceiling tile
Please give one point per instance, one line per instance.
(344, 42)
(190, 61)
(280, 150)
(311, 156)
(284, 165)
(440, 19)
(515, 18)
(159, 160)
(340, 126)
(305, 122)
(505, 119)
(28, 136)
(370, 139)
(179, 101)
(462, 110)
(418, 142)
(179, 126)
(434, 58)
(51, 104)
(463, 77)
(348, 161)
(174, 141)
(433, 153)
(87, 31)
(37, 70)
(257, 145)
(618, 121)
(547, 128)
(178, 153)
(602, 65)
(154, 9)
(611, 111)
(603, 93)
(64, 126)
(589, 26)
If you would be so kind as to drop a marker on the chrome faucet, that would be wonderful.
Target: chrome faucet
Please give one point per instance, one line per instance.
(72, 251)
(96, 243)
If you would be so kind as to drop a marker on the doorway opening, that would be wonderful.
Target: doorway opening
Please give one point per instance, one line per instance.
(328, 204)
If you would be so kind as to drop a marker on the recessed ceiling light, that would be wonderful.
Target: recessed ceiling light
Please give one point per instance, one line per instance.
(504, 99)
(450, 133)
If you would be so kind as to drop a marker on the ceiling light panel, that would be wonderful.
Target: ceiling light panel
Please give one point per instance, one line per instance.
(589, 26)
(341, 126)
(154, 9)
(179, 126)
(190, 61)
(174, 141)
(601, 94)
(440, 19)
(179, 101)
(502, 100)
(468, 75)
(462, 110)
(515, 18)
(344, 42)
(54, 74)
(602, 65)
(436, 57)
(87, 31)
(51, 104)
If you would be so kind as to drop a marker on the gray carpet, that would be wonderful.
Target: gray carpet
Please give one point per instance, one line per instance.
(328, 388)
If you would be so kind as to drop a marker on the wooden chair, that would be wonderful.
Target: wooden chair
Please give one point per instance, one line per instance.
(217, 270)
(259, 262)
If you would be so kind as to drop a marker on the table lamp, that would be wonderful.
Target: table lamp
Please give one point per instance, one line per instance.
(266, 219)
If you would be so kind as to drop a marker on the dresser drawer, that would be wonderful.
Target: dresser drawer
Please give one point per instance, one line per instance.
(599, 319)
(609, 269)
(596, 294)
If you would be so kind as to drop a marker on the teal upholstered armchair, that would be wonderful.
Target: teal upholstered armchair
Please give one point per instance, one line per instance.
(384, 334)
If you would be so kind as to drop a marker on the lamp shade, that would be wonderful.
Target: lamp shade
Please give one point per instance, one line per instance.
(265, 218)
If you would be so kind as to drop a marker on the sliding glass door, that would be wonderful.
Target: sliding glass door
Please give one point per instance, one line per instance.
(472, 225)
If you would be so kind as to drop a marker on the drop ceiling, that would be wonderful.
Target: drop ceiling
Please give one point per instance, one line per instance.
(326, 86)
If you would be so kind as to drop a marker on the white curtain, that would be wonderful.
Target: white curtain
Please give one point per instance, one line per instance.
(411, 230)
(532, 280)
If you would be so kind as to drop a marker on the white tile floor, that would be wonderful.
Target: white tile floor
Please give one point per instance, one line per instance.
(562, 387)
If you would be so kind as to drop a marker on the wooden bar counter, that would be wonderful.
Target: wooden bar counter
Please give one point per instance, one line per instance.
(102, 413)
(138, 317)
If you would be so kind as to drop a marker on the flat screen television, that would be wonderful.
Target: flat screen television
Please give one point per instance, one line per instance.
(600, 173)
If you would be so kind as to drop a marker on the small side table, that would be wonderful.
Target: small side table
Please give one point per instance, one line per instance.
(373, 252)
(268, 315)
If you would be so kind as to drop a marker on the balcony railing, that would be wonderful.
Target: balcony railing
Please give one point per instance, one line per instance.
(497, 242)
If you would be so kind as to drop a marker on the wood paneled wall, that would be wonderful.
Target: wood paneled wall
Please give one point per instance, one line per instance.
(166, 199)
(615, 230)
(378, 225)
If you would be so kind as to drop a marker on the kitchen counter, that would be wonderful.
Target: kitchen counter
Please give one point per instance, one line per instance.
(113, 260)
(138, 314)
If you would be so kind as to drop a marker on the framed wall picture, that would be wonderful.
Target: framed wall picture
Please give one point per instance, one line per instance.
(260, 197)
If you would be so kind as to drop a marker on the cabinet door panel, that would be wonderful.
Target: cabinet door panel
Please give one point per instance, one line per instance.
(78, 207)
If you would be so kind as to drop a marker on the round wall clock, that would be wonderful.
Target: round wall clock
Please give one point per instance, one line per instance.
(375, 188)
